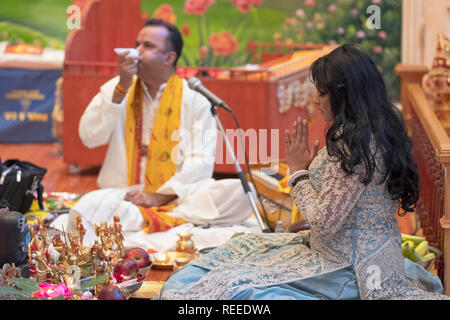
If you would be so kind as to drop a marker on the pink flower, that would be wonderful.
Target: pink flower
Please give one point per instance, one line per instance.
(165, 12)
(246, 5)
(310, 3)
(223, 44)
(197, 6)
(185, 29)
(382, 35)
(48, 290)
(340, 30)
(300, 13)
(332, 43)
(332, 8)
(378, 49)
(203, 52)
(354, 12)
(360, 34)
(377, 2)
(309, 24)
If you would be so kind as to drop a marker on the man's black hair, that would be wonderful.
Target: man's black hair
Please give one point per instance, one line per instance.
(174, 42)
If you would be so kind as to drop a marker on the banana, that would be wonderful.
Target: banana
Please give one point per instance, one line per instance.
(422, 248)
(410, 244)
(428, 256)
(415, 256)
(415, 239)
(406, 250)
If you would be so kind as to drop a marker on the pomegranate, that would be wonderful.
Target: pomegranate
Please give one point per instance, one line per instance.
(111, 293)
(140, 255)
(126, 269)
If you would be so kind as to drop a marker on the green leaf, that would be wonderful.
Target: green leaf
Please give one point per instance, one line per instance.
(86, 266)
(27, 286)
(12, 291)
(93, 282)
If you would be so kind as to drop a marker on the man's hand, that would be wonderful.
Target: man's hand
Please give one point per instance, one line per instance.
(146, 200)
(127, 69)
(298, 155)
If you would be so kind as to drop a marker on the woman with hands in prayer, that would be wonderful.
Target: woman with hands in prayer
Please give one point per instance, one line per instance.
(348, 192)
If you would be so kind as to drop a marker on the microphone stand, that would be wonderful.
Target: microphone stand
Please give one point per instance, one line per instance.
(240, 173)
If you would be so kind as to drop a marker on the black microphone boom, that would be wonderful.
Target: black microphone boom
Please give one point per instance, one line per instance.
(196, 85)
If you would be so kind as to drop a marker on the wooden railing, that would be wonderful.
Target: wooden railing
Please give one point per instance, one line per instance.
(277, 69)
(265, 51)
(431, 151)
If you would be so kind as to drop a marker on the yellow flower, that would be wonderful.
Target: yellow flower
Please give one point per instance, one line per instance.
(319, 20)
(290, 21)
(276, 36)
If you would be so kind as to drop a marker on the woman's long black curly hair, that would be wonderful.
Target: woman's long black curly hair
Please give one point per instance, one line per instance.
(362, 112)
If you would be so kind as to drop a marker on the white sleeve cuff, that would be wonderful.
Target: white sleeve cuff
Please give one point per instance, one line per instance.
(107, 100)
(174, 187)
(295, 175)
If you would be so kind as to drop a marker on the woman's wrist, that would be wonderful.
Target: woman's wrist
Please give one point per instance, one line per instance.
(296, 176)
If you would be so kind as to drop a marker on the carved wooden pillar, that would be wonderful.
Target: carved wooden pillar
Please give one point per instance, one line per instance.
(413, 25)
(409, 74)
(445, 224)
(431, 151)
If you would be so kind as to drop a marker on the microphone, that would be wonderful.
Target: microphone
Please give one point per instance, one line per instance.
(196, 85)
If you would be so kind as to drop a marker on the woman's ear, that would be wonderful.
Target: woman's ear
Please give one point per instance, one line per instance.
(315, 97)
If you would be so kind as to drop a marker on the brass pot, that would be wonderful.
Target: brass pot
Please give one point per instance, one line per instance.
(185, 243)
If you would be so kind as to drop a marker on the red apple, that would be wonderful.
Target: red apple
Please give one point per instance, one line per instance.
(140, 255)
(111, 293)
(126, 269)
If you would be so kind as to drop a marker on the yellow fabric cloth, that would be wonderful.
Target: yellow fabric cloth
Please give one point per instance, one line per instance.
(159, 165)
(158, 220)
(284, 188)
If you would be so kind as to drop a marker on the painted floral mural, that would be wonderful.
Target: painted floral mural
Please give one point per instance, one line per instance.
(216, 32)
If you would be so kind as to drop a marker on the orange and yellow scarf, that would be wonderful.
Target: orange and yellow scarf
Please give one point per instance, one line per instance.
(160, 167)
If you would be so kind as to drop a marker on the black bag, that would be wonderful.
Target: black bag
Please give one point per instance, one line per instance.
(19, 182)
(14, 237)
